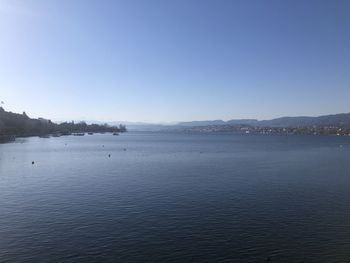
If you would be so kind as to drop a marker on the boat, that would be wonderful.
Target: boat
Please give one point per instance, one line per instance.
(44, 136)
(115, 133)
(90, 133)
(79, 134)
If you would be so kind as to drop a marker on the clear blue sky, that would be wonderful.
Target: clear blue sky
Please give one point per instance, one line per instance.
(160, 61)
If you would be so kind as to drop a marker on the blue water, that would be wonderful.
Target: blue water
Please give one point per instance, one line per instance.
(175, 197)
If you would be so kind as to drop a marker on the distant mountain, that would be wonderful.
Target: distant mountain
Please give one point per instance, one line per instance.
(243, 122)
(143, 126)
(339, 120)
(219, 122)
(148, 127)
(201, 123)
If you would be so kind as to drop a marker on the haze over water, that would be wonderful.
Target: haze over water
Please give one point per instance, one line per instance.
(175, 197)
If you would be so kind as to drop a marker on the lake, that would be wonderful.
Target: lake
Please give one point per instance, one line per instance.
(175, 197)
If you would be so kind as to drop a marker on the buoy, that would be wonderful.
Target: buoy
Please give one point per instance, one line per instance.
(109, 155)
(32, 162)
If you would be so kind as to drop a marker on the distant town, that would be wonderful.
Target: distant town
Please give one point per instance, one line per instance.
(336, 124)
(247, 129)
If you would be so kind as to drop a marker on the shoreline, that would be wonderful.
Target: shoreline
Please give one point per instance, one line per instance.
(12, 138)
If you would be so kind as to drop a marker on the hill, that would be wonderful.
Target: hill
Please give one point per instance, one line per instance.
(338, 120)
(20, 125)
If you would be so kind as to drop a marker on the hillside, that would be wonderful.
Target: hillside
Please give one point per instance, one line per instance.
(14, 124)
(338, 120)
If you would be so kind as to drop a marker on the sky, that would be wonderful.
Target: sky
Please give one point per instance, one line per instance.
(168, 61)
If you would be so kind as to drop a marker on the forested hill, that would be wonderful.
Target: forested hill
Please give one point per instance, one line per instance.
(14, 124)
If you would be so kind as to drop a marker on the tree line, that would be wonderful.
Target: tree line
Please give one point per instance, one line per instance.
(14, 124)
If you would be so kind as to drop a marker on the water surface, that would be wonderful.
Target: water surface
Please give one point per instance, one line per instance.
(175, 197)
